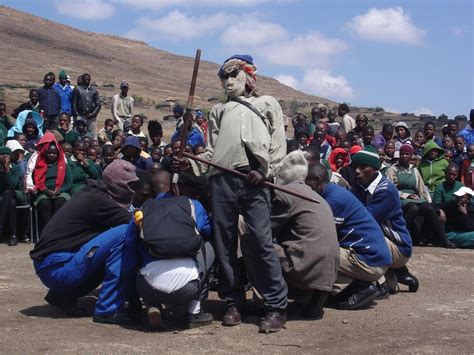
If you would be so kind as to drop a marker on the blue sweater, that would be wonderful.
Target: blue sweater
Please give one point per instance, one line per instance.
(65, 94)
(194, 137)
(384, 205)
(356, 228)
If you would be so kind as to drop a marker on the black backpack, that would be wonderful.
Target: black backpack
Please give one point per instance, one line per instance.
(169, 227)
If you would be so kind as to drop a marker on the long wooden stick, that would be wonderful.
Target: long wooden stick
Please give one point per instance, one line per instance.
(242, 175)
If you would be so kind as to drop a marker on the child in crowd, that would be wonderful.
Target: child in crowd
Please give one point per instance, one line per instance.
(402, 135)
(419, 143)
(131, 151)
(448, 155)
(430, 131)
(52, 179)
(448, 143)
(18, 155)
(467, 169)
(136, 126)
(155, 154)
(167, 150)
(340, 136)
(79, 132)
(105, 133)
(93, 155)
(67, 149)
(346, 145)
(432, 165)
(459, 154)
(144, 144)
(81, 167)
(383, 137)
(199, 149)
(117, 141)
(21, 138)
(302, 138)
(64, 122)
(202, 124)
(459, 223)
(367, 135)
(338, 159)
(156, 133)
(31, 132)
(108, 156)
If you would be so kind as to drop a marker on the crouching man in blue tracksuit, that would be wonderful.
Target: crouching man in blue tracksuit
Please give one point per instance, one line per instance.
(364, 254)
(85, 244)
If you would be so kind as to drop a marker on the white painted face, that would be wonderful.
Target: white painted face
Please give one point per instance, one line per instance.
(235, 86)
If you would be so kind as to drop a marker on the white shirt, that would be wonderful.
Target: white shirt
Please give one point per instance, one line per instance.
(168, 275)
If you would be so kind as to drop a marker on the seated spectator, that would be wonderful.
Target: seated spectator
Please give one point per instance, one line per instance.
(50, 103)
(31, 132)
(347, 172)
(319, 140)
(367, 135)
(93, 155)
(82, 168)
(444, 192)
(105, 133)
(459, 153)
(118, 137)
(67, 150)
(199, 149)
(131, 151)
(33, 119)
(108, 156)
(64, 122)
(171, 275)
(302, 138)
(338, 159)
(432, 165)
(459, 223)
(419, 143)
(402, 135)
(380, 197)
(416, 200)
(364, 254)
(467, 168)
(309, 256)
(136, 126)
(5, 122)
(156, 133)
(65, 92)
(21, 138)
(52, 179)
(430, 133)
(381, 139)
(18, 155)
(86, 244)
(32, 105)
(10, 180)
(361, 121)
(79, 132)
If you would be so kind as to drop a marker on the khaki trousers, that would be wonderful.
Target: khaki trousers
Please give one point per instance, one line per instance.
(351, 267)
(398, 259)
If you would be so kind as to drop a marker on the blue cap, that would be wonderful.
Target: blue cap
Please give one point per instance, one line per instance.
(245, 57)
(178, 109)
(199, 114)
(131, 141)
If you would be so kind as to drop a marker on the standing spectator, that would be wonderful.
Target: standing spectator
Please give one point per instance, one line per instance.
(300, 123)
(202, 125)
(452, 128)
(136, 126)
(348, 123)
(50, 103)
(318, 113)
(194, 135)
(65, 91)
(334, 126)
(459, 154)
(122, 106)
(86, 103)
(383, 137)
(419, 143)
(468, 132)
(32, 105)
(156, 133)
(367, 135)
(5, 122)
(430, 133)
(361, 122)
(178, 111)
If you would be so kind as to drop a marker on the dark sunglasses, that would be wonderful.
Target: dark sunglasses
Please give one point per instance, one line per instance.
(232, 74)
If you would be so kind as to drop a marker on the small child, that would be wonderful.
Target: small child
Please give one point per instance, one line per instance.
(156, 133)
(168, 151)
(143, 143)
(105, 133)
(448, 155)
(302, 138)
(136, 126)
(419, 142)
(199, 149)
(155, 154)
(93, 155)
(459, 154)
(67, 149)
(64, 122)
(448, 143)
(108, 155)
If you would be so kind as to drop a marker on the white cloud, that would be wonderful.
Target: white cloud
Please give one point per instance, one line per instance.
(85, 9)
(178, 26)
(386, 25)
(423, 110)
(252, 32)
(160, 4)
(321, 83)
(288, 80)
(457, 30)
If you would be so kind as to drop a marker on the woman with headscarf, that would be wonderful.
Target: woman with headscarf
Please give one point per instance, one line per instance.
(338, 159)
(52, 179)
(402, 135)
(416, 200)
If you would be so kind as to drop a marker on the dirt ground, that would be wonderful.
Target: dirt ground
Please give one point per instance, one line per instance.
(437, 319)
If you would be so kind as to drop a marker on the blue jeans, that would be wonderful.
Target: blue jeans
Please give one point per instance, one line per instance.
(108, 259)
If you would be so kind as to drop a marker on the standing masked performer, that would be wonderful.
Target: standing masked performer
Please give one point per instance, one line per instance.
(246, 133)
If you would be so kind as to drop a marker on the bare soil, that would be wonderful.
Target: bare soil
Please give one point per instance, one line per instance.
(439, 318)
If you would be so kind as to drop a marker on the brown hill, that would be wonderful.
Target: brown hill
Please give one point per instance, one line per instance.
(33, 46)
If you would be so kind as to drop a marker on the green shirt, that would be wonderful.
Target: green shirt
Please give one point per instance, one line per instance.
(443, 194)
(81, 173)
(11, 180)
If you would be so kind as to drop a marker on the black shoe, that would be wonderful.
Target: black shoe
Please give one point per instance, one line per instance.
(154, 316)
(363, 296)
(120, 317)
(450, 245)
(198, 320)
(273, 322)
(68, 306)
(314, 308)
(24, 239)
(391, 282)
(12, 241)
(231, 317)
(405, 278)
(383, 292)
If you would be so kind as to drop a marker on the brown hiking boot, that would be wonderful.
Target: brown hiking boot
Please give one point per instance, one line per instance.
(273, 322)
(231, 317)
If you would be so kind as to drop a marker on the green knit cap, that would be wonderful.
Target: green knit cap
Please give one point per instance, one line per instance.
(5, 150)
(367, 156)
(62, 74)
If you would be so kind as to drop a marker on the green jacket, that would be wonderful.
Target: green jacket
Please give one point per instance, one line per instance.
(11, 180)
(80, 174)
(443, 194)
(5, 125)
(432, 172)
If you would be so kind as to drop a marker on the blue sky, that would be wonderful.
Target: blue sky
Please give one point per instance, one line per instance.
(406, 56)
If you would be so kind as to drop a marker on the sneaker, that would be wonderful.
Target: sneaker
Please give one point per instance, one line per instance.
(12, 241)
(273, 322)
(154, 315)
(198, 320)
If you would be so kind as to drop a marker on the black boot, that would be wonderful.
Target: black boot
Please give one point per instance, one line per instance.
(363, 295)
(314, 308)
(405, 278)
